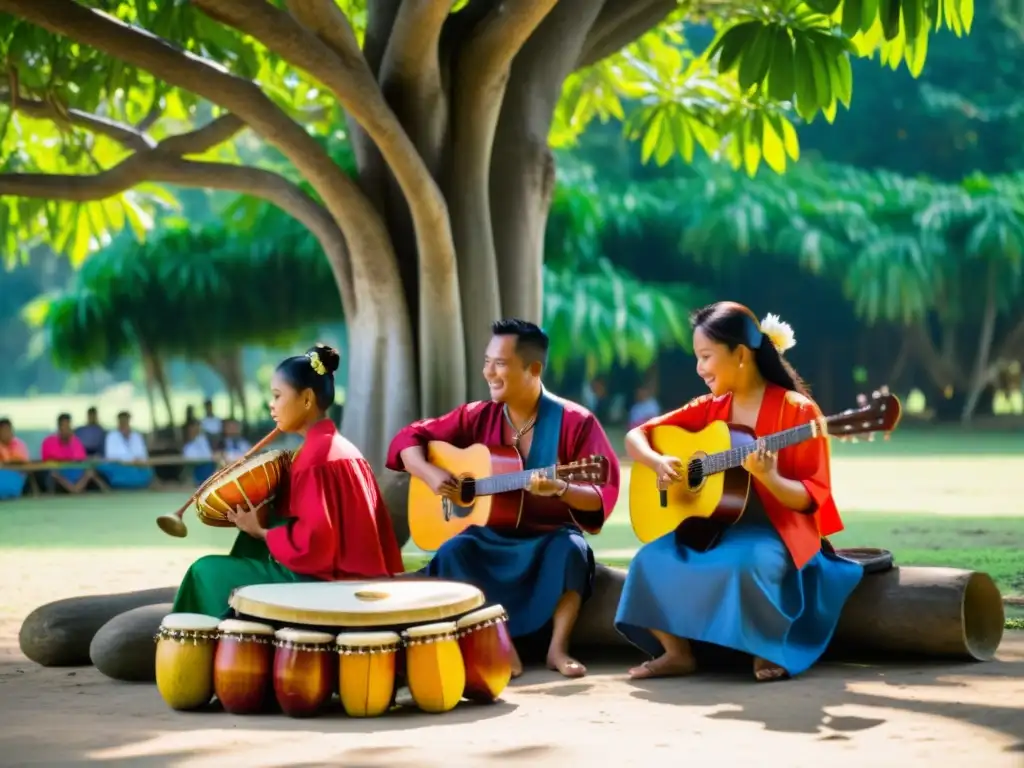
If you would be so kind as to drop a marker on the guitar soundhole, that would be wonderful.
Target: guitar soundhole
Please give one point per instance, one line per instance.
(467, 491)
(694, 474)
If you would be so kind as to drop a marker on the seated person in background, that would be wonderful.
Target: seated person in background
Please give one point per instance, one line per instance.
(645, 408)
(124, 451)
(91, 435)
(197, 447)
(542, 571)
(329, 521)
(64, 447)
(212, 424)
(12, 451)
(770, 585)
(235, 446)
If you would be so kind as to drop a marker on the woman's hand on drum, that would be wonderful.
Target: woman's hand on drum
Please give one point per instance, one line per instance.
(245, 519)
(762, 462)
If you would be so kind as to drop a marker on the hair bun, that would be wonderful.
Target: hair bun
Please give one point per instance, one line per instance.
(328, 356)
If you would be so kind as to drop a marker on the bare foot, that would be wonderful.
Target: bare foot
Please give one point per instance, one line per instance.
(568, 666)
(666, 665)
(516, 663)
(765, 671)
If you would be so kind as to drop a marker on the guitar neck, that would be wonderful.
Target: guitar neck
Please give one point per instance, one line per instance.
(720, 462)
(513, 481)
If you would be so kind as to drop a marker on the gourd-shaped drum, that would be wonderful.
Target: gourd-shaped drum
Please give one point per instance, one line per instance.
(305, 668)
(486, 651)
(434, 666)
(366, 671)
(185, 647)
(243, 666)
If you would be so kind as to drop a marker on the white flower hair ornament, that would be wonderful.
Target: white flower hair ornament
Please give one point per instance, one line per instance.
(779, 333)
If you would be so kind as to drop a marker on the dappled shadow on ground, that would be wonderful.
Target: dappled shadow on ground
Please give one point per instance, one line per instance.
(988, 695)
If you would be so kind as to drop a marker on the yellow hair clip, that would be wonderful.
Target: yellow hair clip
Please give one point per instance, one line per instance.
(316, 364)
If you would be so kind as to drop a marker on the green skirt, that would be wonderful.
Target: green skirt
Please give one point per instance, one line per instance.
(210, 580)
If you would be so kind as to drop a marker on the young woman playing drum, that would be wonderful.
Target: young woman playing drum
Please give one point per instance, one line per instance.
(768, 588)
(329, 521)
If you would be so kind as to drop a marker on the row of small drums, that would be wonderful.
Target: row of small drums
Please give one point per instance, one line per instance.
(247, 664)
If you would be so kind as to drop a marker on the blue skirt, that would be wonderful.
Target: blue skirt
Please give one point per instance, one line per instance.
(744, 594)
(12, 484)
(126, 476)
(526, 576)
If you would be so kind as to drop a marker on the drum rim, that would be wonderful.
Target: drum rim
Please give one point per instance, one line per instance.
(319, 618)
(244, 627)
(487, 613)
(381, 638)
(303, 636)
(206, 625)
(433, 629)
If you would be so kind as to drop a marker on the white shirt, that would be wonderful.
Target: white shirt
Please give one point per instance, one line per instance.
(235, 448)
(197, 449)
(117, 447)
(211, 425)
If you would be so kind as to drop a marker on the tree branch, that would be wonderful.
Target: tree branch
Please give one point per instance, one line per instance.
(164, 166)
(620, 23)
(123, 134)
(362, 226)
(354, 85)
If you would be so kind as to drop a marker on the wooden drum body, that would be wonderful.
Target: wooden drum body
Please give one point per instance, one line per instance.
(253, 482)
(305, 668)
(366, 671)
(185, 648)
(243, 666)
(435, 670)
(486, 651)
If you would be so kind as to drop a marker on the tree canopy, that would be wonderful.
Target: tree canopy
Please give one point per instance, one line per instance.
(434, 232)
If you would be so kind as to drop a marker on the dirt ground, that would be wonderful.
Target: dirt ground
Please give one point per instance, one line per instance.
(936, 715)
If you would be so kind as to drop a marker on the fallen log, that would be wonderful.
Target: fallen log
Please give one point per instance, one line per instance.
(940, 612)
(931, 612)
(58, 634)
(124, 648)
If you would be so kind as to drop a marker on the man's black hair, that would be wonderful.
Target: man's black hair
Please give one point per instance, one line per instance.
(531, 341)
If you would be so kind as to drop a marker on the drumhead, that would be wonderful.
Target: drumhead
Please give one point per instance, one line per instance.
(367, 639)
(490, 613)
(347, 604)
(239, 627)
(303, 636)
(431, 630)
(197, 622)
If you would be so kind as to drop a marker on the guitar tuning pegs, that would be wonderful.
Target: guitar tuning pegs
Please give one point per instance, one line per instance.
(887, 435)
(884, 390)
(871, 437)
(862, 399)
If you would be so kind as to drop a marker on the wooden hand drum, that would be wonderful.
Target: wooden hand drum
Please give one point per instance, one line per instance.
(305, 670)
(243, 666)
(185, 648)
(391, 603)
(434, 666)
(487, 652)
(251, 483)
(367, 671)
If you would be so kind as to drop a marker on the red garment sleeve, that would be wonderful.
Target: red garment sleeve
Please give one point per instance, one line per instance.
(692, 417)
(592, 441)
(307, 543)
(454, 428)
(809, 463)
(338, 524)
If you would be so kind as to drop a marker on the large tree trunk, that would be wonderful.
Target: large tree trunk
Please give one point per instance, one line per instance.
(523, 171)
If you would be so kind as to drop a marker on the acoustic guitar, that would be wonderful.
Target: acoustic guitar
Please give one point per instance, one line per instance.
(492, 485)
(716, 486)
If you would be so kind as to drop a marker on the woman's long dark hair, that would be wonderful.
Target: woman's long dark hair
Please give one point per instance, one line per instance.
(732, 324)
